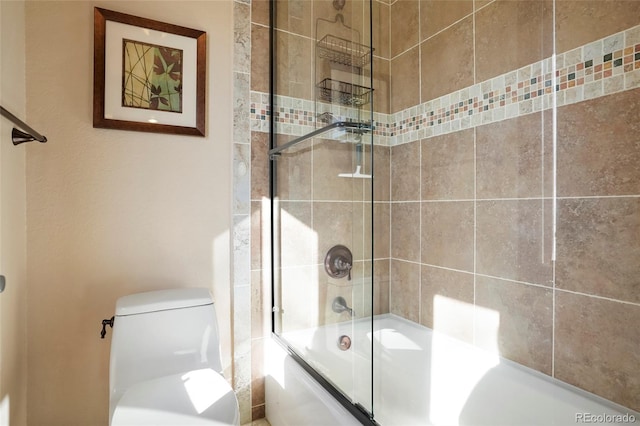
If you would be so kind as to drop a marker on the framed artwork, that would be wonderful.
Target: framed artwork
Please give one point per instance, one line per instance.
(148, 76)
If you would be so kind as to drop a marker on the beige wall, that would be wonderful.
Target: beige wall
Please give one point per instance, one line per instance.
(13, 301)
(113, 212)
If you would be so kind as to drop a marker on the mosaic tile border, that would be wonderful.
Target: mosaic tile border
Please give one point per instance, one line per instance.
(604, 67)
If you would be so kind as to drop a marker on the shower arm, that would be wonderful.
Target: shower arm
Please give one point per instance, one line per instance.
(347, 125)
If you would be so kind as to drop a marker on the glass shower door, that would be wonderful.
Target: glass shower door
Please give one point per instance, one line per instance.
(321, 191)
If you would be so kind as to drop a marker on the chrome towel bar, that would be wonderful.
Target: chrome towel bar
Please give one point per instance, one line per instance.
(18, 136)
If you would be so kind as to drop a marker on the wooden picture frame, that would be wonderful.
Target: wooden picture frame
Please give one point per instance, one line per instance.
(148, 76)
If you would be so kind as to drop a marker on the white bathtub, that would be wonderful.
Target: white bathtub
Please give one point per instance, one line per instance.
(421, 377)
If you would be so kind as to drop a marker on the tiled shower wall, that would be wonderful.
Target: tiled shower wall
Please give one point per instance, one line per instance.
(250, 315)
(482, 200)
(481, 196)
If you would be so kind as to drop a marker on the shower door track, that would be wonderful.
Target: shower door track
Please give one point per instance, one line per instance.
(357, 410)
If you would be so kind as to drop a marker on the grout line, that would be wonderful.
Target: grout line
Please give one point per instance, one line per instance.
(419, 55)
(420, 321)
(440, 267)
(389, 41)
(473, 32)
(595, 296)
(475, 185)
(482, 7)
(420, 233)
(259, 24)
(475, 230)
(509, 280)
(595, 197)
(554, 202)
(391, 280)
(467, 200)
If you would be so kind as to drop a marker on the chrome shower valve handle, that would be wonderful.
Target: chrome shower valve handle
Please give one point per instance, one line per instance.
(342, 265)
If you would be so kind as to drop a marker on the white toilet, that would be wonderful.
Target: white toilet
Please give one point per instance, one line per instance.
(165, 366)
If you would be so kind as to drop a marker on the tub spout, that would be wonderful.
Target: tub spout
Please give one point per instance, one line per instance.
(339, 306)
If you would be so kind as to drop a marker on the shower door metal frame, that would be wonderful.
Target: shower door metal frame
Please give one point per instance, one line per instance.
(356, 409)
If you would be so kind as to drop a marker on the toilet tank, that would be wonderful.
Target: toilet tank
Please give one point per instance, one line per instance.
(160, 333)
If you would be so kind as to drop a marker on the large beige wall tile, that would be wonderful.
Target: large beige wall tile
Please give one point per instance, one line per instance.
(381, 31)
(510, 157)
(381, 283)
(510, 35)
(599, 247)
(362, 289)
(448, 166)
(330, 159)
(446, 299)
(579, 22)
(371, 223)
(260, 324)
(526, 321)
(293, 55)
(405, 73)
(242, 38)
(336, 223)
(598, 150)
(260, 309)
(294, 16)
(436, 15)
(258, 233)
(405, 239)
(259, 165)
(381, 85)
(447, 61)
(405, 172)
(382, 173)
(381, 230)
(513, 240)
(597, 347)
(259, 58)
(301, 297)
(298, 240)
(294, 173)
(405, 287)
(257, 374)
(260, 12)
(405, 25)
(447, 234)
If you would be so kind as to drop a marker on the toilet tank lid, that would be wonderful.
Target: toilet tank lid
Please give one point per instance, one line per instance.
(162, 300)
